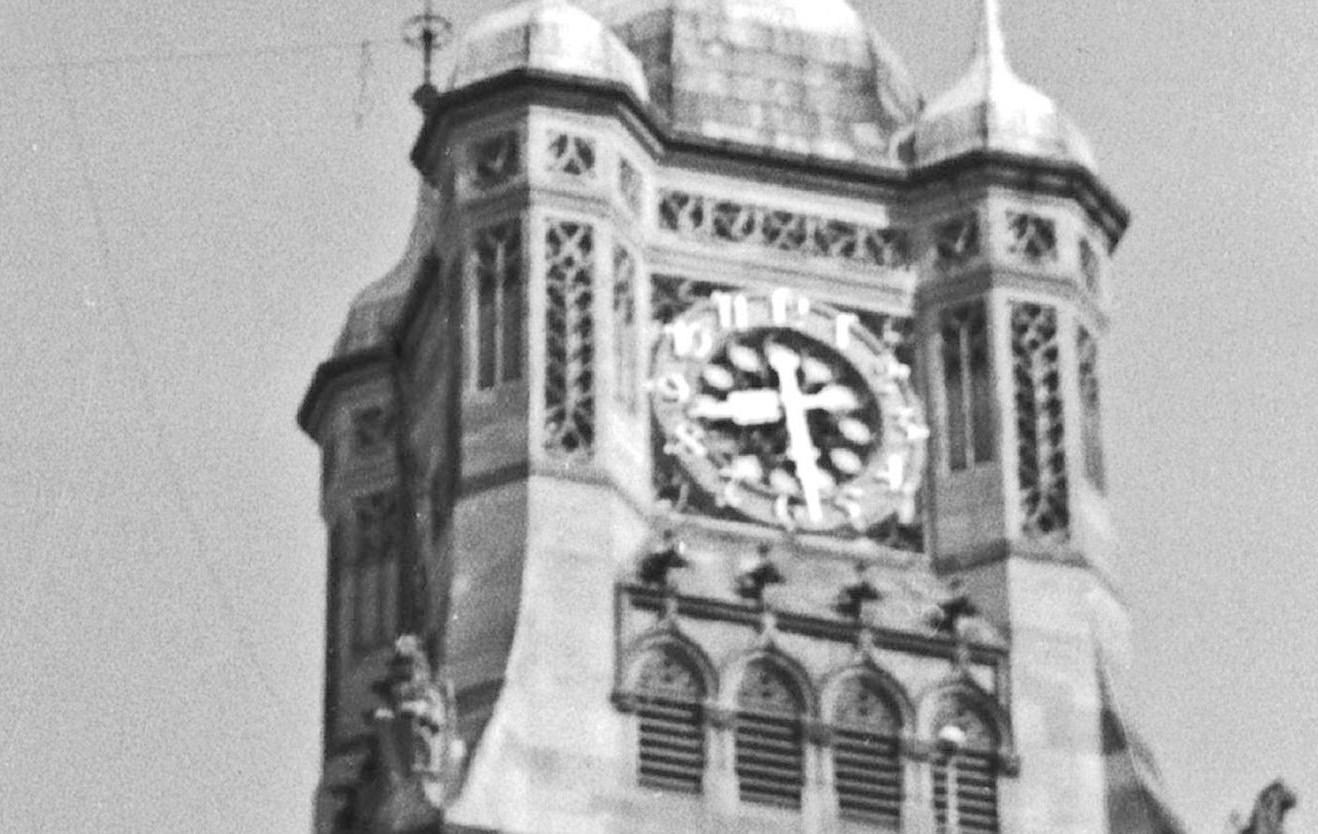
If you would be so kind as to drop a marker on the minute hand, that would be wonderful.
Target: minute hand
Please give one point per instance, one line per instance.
(800, 448)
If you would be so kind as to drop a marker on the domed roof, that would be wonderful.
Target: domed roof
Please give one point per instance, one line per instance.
(376, 309)
(552, 35)
(806, 76)
(991, 108)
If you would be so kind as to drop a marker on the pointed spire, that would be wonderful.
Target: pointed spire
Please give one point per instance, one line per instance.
(992, 45)
(991, 107)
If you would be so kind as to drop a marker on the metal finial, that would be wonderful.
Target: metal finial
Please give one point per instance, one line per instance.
(992, 45)
(427, 32)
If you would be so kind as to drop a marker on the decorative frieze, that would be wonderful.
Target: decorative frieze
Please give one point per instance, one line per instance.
(631, 185)
(1040, 427)
(495, 160)
(956, 241)
(570, 154)
(569, 338)
(731, 221)
(1031, 237)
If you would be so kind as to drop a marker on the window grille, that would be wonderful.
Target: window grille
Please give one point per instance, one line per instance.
(499, 304)
(573, 155)
(769, 759)
(496, 159)
(1089, 266)
(966, 780)
(670, 718)
(867, 767)
(375, 577)
(625, 383)
(966, 384)
(569, 338)
(1040, 432)
(976, 793)
(1091, 428)
(1032, 237)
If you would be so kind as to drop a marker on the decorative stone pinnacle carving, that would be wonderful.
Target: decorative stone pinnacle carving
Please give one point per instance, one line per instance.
(853, 596)
(417, 742)
(664, 558)
(1269, 815)
(948, 618)
(756, 573)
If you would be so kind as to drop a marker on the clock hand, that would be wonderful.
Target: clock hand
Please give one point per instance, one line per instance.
(800, 448)
(753, 407)
(832, 398)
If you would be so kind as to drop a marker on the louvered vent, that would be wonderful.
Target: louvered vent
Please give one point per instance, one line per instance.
(672, 744)
(975, 797)
(868, 774)
(976, 793)
(769, 759)
(669, 713)
(769, 755)
(867, 768)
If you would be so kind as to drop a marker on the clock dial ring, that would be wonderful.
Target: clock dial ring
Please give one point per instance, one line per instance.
(788, 412)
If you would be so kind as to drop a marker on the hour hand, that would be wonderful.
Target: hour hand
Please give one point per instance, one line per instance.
(752, 407)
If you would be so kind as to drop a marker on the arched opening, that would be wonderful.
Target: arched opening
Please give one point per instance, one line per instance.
(867, 766)
(770, 765)
(670, 715)
(965, 768)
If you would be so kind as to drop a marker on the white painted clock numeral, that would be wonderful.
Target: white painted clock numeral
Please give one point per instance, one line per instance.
(787, 307)
(691, 339)
(842, 329)
(734, 311)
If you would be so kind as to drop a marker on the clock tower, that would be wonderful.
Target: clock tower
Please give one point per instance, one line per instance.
(724, 453)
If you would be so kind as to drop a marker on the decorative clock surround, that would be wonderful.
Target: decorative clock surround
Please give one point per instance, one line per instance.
(789, 412)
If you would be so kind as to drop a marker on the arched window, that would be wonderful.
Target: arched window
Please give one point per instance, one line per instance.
(670, 695)
(965, 773)
(867, 767)
(769, 756)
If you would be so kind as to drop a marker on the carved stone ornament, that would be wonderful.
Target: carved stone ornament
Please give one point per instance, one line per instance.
(728, 221)
(420, 753)
(1270, 809)
(789, 412)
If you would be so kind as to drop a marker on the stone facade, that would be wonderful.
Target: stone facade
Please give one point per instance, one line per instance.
(610, 644)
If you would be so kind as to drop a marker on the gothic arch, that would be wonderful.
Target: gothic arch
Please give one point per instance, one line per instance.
(868, 713)
(868, 671)
(960, 694)
(667, 639)
(734, 676)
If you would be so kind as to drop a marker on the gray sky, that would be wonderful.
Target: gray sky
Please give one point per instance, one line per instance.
(180, 239)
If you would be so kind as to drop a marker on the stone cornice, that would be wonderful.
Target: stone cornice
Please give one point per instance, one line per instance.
(330, 373)
(834, 629)
(729, 158)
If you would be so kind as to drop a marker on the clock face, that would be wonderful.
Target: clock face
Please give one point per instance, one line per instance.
(789, 412)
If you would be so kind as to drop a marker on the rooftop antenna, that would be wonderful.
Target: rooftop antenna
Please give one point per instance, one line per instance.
(427, 32)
